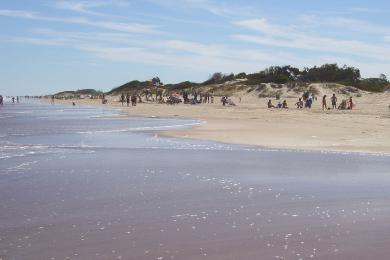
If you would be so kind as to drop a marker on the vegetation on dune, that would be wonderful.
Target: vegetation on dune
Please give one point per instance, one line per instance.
(79, 92)
(294, 78)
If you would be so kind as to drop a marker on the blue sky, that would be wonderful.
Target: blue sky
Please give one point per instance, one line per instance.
(48, 46)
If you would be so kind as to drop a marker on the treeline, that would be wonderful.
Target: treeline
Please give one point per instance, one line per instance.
(327, 73)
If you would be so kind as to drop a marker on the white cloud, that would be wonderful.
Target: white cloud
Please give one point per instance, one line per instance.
(116, 26)
(367, 10)
(343, 24)
(219, 8)
(121, 47)
(288, 37)
(18, 14)
(87, 6)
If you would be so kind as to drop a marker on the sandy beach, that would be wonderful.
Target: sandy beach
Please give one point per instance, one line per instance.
(250, 122)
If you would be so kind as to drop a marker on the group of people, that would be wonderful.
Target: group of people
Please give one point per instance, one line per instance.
(127, 98)
(307, 100)
(345, 104)
(13, 99)
(279, 105)
(197, 98)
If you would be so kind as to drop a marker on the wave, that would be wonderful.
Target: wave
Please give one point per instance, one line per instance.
(141, 128)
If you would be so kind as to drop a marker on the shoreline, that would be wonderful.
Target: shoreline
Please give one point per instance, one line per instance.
(358, 131)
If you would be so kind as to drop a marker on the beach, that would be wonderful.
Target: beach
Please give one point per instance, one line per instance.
(93, 183)
(250, 122)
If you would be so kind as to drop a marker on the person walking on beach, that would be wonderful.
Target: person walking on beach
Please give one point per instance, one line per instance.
(128, 99)
(13, 99)
(133, 100)
(122, 99)
(334, 101)
(1, 100)
(324, 106)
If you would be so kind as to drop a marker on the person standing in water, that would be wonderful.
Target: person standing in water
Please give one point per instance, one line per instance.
(334, 101)
(324, 106)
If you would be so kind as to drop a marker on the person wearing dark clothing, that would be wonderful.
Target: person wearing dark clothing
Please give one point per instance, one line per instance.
(127, 99)
(284, 105)
(334, 101)
(122, 99)
(350, 105)
(324, 106)
(299, 104)
(224, 101)
(133, 100)
(270, 104)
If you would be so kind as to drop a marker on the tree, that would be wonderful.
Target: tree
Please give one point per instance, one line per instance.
(383, 77)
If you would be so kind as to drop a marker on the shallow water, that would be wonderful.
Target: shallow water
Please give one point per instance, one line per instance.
(87, 183)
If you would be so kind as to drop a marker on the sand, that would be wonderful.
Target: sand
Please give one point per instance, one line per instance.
(365, 129)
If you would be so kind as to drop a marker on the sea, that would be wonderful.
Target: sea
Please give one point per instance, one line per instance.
(79, 182)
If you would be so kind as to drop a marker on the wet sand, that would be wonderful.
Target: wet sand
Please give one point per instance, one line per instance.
(103, 193)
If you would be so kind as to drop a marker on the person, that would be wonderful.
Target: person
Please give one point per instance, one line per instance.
(134, 100)
(284, 105)
(17, 99)
(308, 102)
(324, 106)
(305, 95)
(127, 99)
(1, 100)
(299, 104)
(350, 104)
(334, 101)
(13, 99)
(122, 99)
(270, 104)
(224, 101)
(343, 105)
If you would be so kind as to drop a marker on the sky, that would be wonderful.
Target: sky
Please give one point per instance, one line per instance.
(50, 46)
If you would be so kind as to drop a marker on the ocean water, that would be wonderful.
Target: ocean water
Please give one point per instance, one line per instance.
(91, 183)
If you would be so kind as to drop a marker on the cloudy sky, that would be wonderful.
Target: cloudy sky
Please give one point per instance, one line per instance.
(48, 46)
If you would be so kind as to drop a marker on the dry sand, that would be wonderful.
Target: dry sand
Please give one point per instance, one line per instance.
(365, 129)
